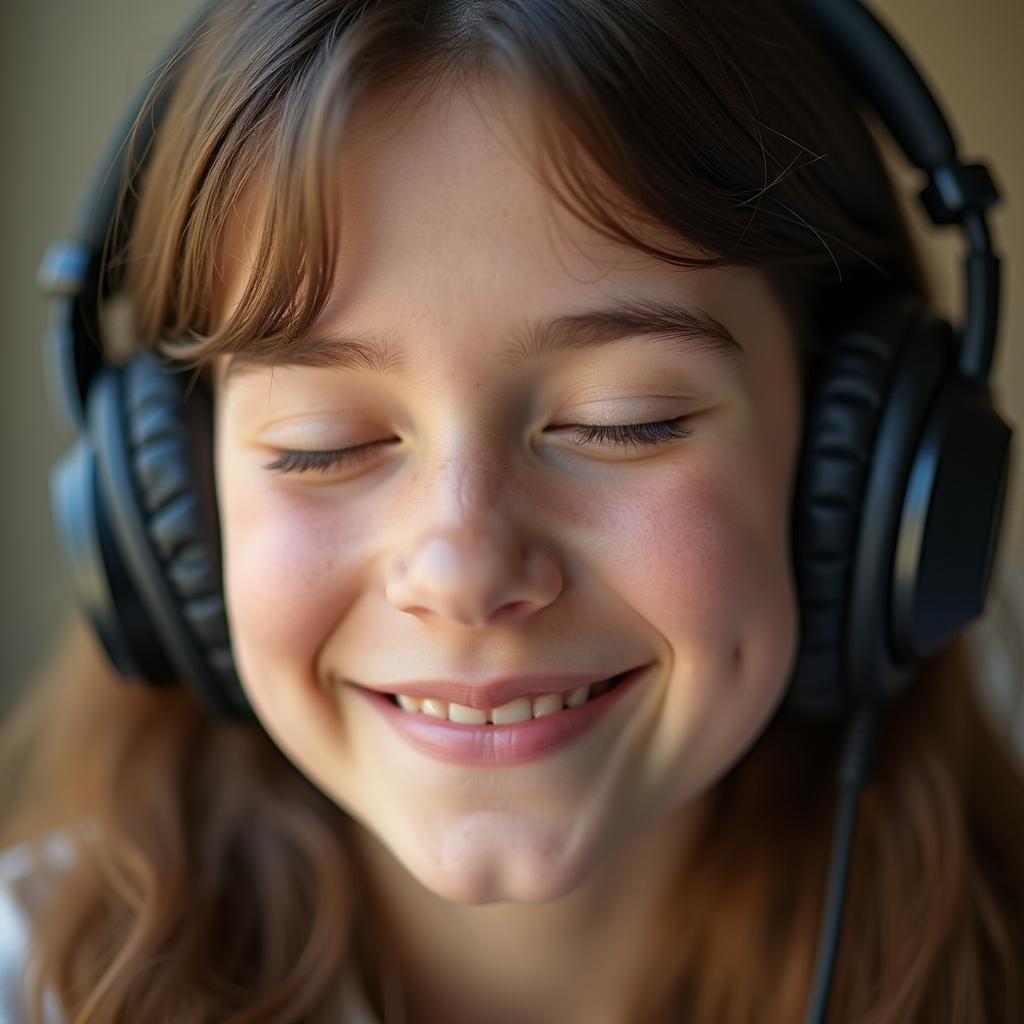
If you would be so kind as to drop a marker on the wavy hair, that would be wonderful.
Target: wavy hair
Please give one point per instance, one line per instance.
(212, 881)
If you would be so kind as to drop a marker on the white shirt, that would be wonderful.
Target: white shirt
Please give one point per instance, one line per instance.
(19, 891)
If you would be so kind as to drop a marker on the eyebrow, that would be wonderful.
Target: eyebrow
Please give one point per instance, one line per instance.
(684, 327)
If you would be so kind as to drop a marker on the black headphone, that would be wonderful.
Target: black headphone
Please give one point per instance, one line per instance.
(900, 490)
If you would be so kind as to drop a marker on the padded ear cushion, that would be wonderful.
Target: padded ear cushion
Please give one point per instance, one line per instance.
(846, 408)
(101, 580)
(156, 484)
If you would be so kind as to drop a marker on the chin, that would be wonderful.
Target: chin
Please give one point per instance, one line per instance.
(529, 876)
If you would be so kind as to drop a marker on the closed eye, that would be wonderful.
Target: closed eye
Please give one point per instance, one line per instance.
(636, 434)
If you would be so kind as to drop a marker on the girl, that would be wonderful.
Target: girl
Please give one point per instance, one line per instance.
(509, 312)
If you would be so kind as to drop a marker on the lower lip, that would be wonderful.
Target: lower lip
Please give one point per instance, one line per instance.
(458, 743)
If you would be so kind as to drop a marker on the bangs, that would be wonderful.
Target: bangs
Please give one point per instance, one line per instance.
(628, 130)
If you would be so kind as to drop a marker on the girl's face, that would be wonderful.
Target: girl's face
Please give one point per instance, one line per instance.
(479, 540)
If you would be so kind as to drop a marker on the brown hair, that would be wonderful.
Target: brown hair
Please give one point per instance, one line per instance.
(212, 880)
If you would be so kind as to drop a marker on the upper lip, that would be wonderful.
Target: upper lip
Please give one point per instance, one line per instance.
(495, 693)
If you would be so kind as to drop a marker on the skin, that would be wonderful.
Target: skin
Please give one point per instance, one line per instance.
(487, 542)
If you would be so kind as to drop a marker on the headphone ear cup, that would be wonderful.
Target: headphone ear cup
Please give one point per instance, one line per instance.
(845, 409)
(952, 513)
(146, 543)
(898, 507)
(101, 580)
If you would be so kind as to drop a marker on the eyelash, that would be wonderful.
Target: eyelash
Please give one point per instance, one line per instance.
(621, 434)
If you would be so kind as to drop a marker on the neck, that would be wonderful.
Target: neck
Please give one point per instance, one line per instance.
(578, 958)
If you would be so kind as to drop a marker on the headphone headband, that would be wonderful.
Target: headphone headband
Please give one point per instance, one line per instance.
(874, 65)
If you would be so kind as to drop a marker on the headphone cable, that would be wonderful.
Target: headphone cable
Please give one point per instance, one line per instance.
(852, 771)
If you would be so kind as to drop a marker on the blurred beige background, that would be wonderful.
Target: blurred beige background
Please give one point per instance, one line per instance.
(67, 68)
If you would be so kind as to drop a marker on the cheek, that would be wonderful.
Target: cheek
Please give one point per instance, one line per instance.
(703, 558)
(702, 552)
(284, 587)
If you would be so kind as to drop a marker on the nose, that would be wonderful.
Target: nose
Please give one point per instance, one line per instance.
(473, 575)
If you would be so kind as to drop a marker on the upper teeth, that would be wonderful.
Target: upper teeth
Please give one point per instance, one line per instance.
(519, 710)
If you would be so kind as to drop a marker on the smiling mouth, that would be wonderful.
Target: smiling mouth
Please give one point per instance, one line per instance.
(520, 710)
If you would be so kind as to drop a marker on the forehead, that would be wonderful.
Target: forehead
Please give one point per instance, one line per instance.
(445, 227)
(453, 171)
